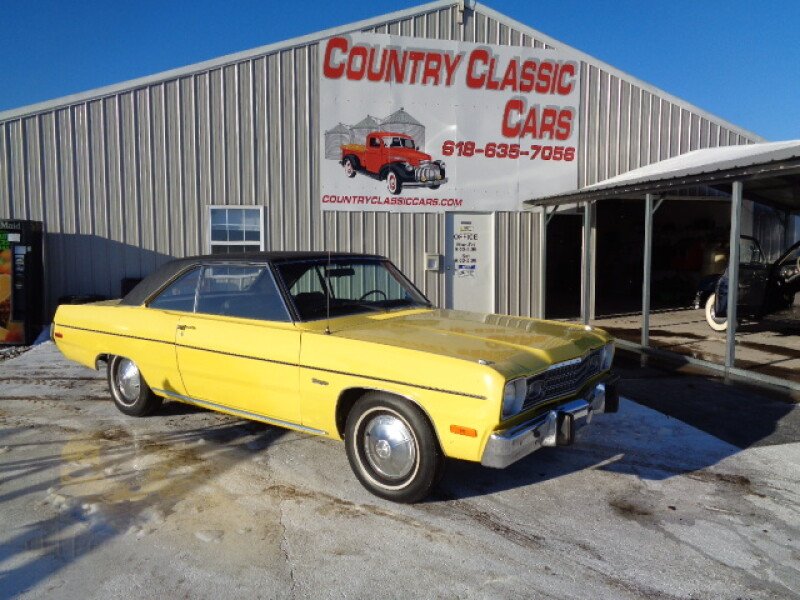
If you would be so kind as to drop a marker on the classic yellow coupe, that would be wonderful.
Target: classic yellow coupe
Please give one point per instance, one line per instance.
(344, 346)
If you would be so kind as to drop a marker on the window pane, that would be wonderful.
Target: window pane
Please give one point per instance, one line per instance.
(233, 248)
(247, 292)
(219, 230)
(235, 225)
(179, 295)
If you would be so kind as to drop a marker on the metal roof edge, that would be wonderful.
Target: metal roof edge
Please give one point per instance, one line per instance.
(214, 63)
(558, 44)
(103, 91)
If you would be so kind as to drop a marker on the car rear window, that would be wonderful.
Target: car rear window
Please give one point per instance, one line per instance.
(179, 295)
(245, 291)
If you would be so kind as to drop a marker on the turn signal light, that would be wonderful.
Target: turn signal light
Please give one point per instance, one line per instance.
(467, 431)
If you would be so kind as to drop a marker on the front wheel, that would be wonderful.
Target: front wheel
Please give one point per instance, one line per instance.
(129, 390)
(716, 323)
(393, 182)
(392, 448)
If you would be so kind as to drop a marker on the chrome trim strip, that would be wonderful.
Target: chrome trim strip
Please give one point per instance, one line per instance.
(243, 413)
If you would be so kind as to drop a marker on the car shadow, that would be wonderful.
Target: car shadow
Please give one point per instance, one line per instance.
(182, 462)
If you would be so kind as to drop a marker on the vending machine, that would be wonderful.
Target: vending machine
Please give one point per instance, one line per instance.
(21, 281)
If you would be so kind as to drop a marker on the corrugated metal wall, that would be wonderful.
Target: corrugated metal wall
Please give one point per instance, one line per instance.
(123, 182)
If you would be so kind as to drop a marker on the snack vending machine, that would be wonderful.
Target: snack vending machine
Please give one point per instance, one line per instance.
(21, 281)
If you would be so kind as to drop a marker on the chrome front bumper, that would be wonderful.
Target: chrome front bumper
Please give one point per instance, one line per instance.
(557, 427)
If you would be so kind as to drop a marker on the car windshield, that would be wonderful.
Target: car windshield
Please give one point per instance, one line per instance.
(347, 287)
(399, 142)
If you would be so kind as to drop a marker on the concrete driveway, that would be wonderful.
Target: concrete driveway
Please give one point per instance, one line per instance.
(190, 503)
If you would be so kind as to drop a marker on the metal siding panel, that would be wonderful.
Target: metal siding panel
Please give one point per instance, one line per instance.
(614, 116)
(6, 191)
(261, 133)
(17, 170)
(190, 158)
(602, 126)
(217, 133)
(274, 127)
(204, 150)
(231, 136)
(35, 170)
(288, 194)
(81, 244)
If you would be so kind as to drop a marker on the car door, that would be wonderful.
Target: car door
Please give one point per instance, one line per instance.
(240, 349)
(374, 154)
(156, 328)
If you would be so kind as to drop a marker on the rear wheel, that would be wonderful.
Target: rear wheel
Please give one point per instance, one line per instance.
(393, 182)
(716, 323)
(392, 448)
(129, 390)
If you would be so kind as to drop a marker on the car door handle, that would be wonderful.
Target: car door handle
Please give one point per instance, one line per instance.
(183, 327)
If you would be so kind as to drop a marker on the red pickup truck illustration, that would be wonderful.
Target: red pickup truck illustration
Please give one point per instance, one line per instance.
(393, 157)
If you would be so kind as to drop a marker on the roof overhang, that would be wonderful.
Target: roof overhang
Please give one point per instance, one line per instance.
(771, 169)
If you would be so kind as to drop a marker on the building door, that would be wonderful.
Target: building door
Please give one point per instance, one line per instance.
(469, 262)
(563, 289)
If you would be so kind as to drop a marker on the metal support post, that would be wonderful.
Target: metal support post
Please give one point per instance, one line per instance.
(586, 292)
(648, 259)
(733, 272)
(540, 291)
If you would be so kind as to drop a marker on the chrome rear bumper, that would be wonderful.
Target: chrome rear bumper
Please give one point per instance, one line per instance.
(558, 427)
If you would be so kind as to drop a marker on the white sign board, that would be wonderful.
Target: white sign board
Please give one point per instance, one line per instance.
(431, 125)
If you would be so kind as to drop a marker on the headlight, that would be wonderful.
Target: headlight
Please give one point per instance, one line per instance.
(513, 397)
(788, 271)
(607, 356)
(441, 164)
(408, 166)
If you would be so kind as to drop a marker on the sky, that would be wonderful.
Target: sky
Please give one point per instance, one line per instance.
(737, 59)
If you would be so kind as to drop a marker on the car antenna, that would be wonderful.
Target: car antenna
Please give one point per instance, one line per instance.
(328, 293)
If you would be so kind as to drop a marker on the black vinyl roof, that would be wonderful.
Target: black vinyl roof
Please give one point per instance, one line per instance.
(166, 272)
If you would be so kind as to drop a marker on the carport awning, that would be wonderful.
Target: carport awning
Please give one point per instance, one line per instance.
(771, 169)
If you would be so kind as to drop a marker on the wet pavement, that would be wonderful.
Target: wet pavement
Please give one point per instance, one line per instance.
(190, 503)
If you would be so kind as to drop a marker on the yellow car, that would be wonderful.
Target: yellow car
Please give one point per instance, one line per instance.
(344, 346)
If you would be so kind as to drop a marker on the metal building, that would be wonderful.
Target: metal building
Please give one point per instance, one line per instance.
(123, 176)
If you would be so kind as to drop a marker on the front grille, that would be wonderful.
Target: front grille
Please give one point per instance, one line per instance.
(428, 172)
(562, 379)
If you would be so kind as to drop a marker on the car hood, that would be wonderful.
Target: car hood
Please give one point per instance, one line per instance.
(512, 344)
(406, 154)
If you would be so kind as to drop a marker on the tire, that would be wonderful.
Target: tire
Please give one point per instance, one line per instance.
(350, 167)
(715, 323)
(418, 462)
(129, 390)
(393, 182)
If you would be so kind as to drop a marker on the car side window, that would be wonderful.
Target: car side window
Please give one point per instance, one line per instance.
(244, 291)
(375, 142)
(180, 294)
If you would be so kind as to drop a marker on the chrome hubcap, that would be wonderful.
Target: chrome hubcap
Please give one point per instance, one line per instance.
(392, 182)
(128, 381)
(390, 446)
(348, 168)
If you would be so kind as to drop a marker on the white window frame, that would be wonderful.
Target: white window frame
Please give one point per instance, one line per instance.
(260, 245)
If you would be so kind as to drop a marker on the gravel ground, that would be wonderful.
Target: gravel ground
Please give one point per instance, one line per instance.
(190, 503)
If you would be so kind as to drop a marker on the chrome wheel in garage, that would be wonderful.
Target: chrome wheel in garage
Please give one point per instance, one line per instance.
(129, 390)
(392, 448)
